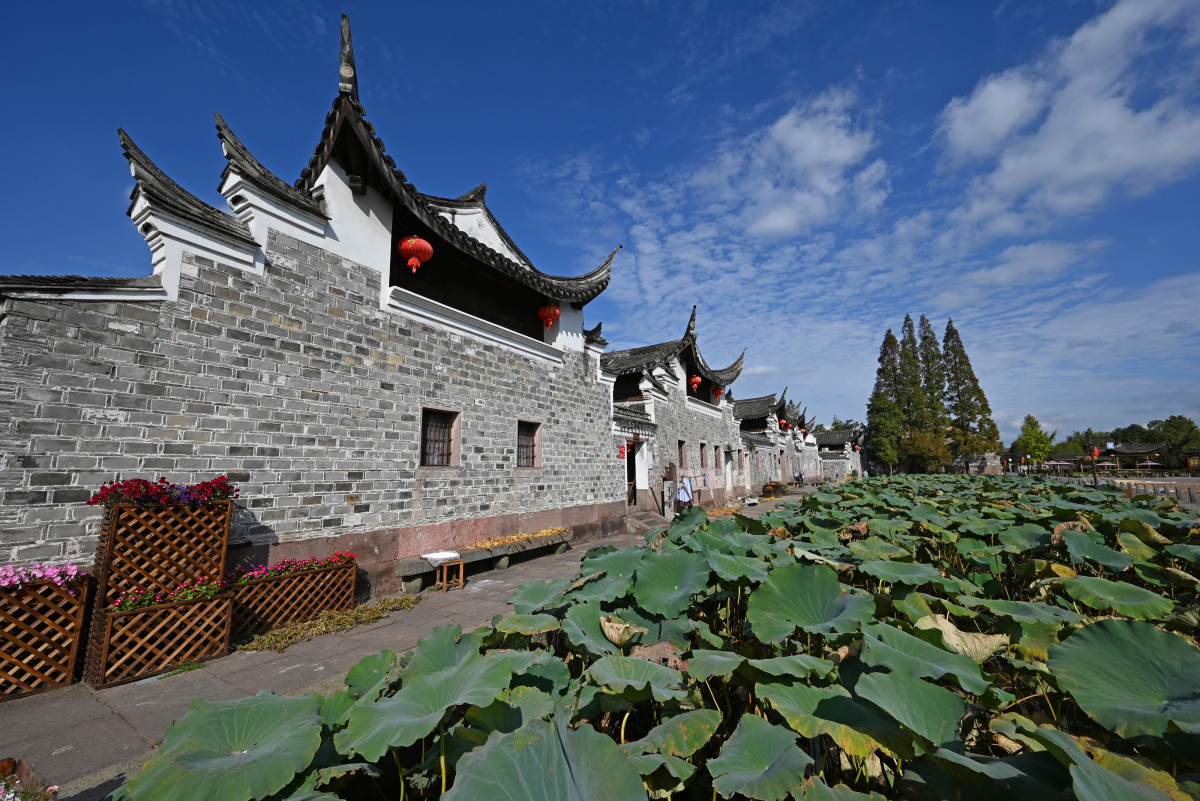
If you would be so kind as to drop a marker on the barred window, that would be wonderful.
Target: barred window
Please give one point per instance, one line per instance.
(682, 455)
(703, 455)
(741, 466)
(437, 438)
(528, 451)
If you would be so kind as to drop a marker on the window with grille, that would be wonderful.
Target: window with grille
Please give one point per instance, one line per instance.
(527, 444)
(703, 455)
(437, 438)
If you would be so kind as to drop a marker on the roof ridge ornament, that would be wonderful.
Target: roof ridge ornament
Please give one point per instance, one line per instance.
(348, 83)
(691, 326)
(475, 194)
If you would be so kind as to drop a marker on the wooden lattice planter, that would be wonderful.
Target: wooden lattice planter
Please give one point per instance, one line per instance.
(40, 628)
(155, 639)
(160, 547)
(268, 603)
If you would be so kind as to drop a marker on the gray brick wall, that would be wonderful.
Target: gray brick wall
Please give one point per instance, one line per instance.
(297, 386)
(678, 422)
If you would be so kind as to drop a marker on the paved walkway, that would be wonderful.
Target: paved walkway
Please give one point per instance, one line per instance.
(88, 741)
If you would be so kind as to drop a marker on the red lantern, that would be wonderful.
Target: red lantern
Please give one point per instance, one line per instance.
(695, 383)
(719, 391)
(549, 313)
(416, 250)
(802, 431)
(857, 448)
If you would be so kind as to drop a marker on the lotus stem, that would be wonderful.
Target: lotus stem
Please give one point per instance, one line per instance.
(399, 773)
(714, 697)
(442, 753)
(623, 724)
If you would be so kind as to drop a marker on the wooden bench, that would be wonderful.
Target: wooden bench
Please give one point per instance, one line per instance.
(415, 570)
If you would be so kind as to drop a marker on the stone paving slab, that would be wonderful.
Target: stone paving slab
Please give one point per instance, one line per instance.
(87, 741)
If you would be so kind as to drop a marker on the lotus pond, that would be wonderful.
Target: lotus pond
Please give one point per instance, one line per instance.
(931, 637)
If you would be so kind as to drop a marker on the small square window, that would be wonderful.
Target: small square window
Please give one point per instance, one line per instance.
(529, 444)
(439, 438)
(703, 456)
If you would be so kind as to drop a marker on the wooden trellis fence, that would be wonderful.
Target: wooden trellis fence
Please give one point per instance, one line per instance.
(40, 626)
(268, 603)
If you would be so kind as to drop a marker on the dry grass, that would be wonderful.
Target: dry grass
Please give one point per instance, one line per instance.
(328, 623)
(496, 542)
(725, 511)
(771, 498)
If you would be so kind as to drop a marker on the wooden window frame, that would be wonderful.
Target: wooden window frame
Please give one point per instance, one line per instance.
(703, 456)
(683, 460)
(537, 445)
(455, 438)
(741, 465)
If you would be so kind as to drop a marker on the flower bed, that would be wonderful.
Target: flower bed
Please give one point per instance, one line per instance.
(137, 643)
(291, 591)
(41, 620)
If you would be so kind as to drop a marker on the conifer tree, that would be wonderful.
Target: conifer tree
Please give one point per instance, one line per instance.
(933, 376)
(972, 430)
(888, 372)
(910, 397)
(885, 425)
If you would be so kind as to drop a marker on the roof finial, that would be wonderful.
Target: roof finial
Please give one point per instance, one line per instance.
(691, 329)
(346, 72)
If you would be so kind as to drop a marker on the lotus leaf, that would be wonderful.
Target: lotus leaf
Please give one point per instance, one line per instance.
(445, 648)
(529, 598)
(1091, 781)
(1131, 677)
(799, 666)
(617, 563)
(544, 761)
(605, 588)
(912, 605)
(889, 647)
(1126, 598)
(371, 674)
(550, 675)
(1144, 531)
(666, 582)
(807, 597)
(968, 643)
(930, 711)
(1026, 611)
(705, 664)
(682, 735)
(634, 678)
(816, 790)
(336, 708)
(759, 761)
(914, 574)
(511, 711)
(874, 548)
(813, 711)
(233, 750)
(1026, 538)
(662, 775)
(527, 624)
(582, 627)
(417, 708)
(660, 629)
(1189, 553)
(735, 568)
(1082, 548)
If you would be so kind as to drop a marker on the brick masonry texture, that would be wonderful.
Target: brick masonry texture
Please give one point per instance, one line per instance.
(308, 395)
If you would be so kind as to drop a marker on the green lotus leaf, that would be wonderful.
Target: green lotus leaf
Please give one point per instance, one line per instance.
(582, 627)
(527, 624)
(898, 651)
(799, 665)
(616, 563)
(233, 750)
(603, 589)
(1189, 553)
(418, 707)
(676, 630)
(547, 673)
(371, 674)
(914, 574)
(1126, 598)
(1091, 781)
(734, 568)
(662, 775)
(336, 708)
(1025, 611)
(529, 598)
(705, 664)
(924, 513)
(889, 528)
(1130, 677)
(512, 710)
(629, 676)
(446, 647)
(1082, 548)
(813, 711)
(759, 761)
(547, 760)
(1145, 527)
(874, 548)
(912, 605)
(816, 790)
(807, 597)
(666, 582)
(930, 711)
(683, 735)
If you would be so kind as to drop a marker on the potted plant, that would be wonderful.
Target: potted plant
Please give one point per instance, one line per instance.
(41, 620)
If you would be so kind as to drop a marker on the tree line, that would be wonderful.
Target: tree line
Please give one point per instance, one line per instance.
(1178, 435)
(927, 409)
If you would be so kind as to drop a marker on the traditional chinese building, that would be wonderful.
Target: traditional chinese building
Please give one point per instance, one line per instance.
(840, 453)
(674, 416)
(359, 403)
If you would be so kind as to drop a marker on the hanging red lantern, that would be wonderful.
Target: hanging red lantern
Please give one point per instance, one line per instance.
(857, 448)
(549, 313)
(719, 391)
(802, 431)
(416, 250)
(695, 383)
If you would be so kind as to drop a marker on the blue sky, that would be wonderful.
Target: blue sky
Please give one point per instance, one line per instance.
(806, 172)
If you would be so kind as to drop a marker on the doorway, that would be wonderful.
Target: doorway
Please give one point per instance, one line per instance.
(630, 473)
(728, 475)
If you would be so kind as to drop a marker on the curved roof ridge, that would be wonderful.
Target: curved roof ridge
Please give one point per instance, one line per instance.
(241, 159)
(173, 198)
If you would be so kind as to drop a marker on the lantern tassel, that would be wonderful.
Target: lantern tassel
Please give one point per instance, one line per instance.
(414, 263)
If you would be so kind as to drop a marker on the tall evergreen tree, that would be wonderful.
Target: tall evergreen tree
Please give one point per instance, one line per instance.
(933, 376)
(972, 430)
(885, 425)
(910, 397)
(887, 376)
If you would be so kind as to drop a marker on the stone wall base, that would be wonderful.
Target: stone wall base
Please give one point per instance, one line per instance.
(378, 551)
